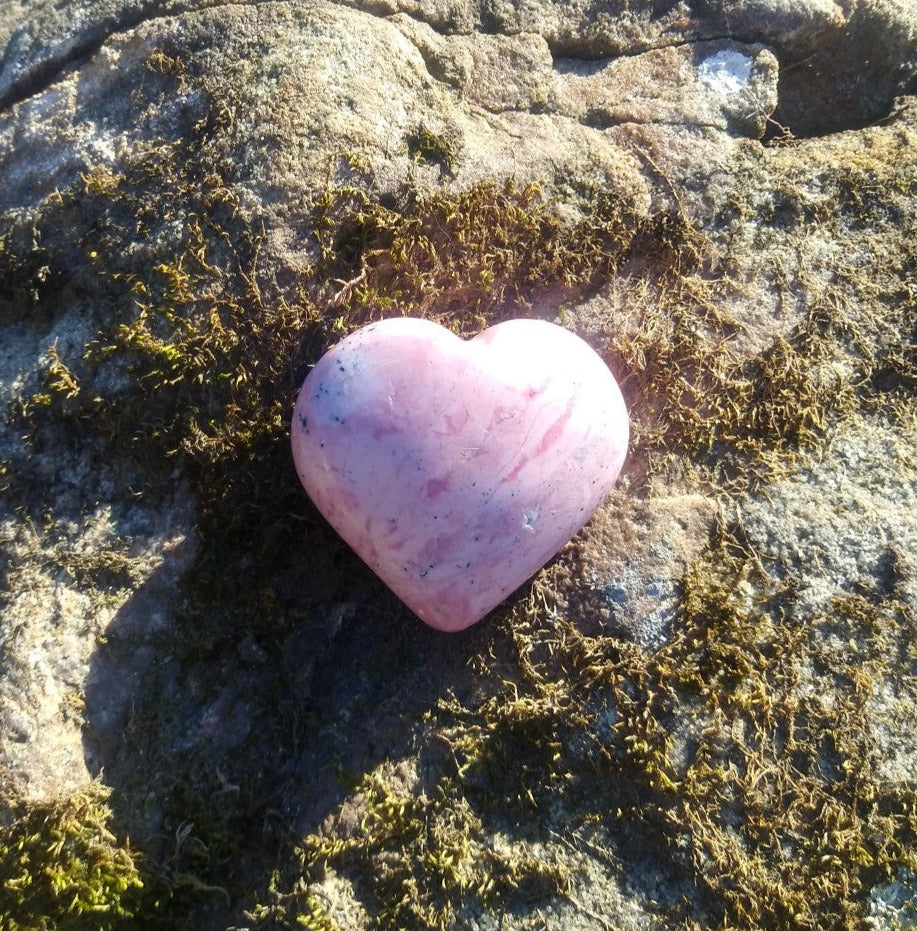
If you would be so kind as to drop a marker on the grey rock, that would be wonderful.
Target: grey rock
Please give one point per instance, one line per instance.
(846, 519)
(892, 904)
(717, 85)
(630, 563)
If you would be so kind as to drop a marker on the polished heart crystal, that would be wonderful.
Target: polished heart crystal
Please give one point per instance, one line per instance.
(457, 469)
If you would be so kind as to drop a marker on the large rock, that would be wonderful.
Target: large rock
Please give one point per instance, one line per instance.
(197, 198)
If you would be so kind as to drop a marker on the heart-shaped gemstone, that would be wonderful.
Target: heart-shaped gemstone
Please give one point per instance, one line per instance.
(457, 469)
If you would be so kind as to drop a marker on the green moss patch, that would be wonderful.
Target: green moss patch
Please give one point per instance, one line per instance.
(62, 868)
(789, 822)
(743, 757)
(200, 365)
(420, 858)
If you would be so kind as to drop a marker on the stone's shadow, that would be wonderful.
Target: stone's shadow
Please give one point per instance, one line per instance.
(224, 745)
(124, 657)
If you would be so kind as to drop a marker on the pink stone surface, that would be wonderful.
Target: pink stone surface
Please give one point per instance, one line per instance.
(457, 469)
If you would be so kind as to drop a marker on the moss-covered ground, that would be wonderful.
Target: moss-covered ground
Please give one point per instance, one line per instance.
(753, 788)
(61, 867)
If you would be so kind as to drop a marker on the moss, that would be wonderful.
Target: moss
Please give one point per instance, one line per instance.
(467, 259)
(25, 276)
(744, 757)
(104, 570)
(61, 867)
(740, 417)
(202, 374)
(773, 792)
(419, 857)
(65, 865)
(168, 65)
(209, 367)
(790, 824)
(100, 181)
(849, 339)
(433, 148)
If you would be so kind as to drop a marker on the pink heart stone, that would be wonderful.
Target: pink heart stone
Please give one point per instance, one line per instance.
(457, 469)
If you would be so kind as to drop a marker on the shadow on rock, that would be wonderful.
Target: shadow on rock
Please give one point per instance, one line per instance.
(225, 742)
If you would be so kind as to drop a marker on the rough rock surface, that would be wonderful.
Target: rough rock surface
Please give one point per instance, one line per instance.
(198, 197)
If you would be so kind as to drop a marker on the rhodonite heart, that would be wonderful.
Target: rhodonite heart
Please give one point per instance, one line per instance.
(457, 469)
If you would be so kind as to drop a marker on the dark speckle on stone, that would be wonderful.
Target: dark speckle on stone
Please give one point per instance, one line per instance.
(616, 595)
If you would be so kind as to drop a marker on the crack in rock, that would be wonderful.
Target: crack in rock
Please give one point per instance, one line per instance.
(75, 50)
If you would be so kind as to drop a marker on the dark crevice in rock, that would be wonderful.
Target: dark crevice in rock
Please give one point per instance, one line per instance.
(829, 92)
(78, 49)
(387, 10)
(42, 74)
(600, 61)
(601, 120)
(834, 75)
(432, 62)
